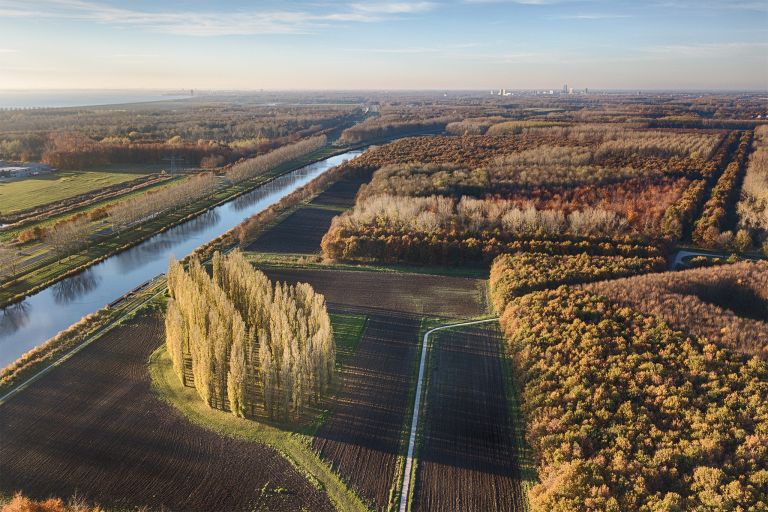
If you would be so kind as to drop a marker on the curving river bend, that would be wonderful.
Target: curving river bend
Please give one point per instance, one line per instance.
(28, 324)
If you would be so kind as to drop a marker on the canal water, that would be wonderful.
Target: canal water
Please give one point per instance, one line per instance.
(25, 325)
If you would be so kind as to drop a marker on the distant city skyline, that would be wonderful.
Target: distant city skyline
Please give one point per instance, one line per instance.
(450, 45)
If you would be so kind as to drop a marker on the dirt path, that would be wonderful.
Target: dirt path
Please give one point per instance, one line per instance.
(94, 426)
(467, 459)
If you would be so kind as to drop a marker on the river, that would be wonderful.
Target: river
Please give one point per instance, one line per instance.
(39, 317)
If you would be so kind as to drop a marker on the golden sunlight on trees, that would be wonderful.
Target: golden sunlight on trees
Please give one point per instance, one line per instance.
(253, 347)
(263, 163)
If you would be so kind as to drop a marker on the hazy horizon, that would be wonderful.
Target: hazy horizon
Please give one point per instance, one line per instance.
(384, 45)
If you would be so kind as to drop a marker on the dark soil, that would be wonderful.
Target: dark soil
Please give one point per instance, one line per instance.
(361, 439)
(94, 427)
(343, 192)
(299, 233)
(467, 461)
(450, 297)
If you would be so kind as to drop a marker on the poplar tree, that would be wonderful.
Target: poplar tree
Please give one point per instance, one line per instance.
(250, 344)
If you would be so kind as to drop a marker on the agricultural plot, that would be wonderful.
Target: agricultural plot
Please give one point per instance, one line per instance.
(343, 192)
(468, 460)
(299, 233)
(361, 439)
(94, 426)
(40, 190)
(449, 297)
(302, 231)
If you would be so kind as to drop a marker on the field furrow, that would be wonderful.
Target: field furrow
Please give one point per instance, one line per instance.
(95, 427)
(467, 460)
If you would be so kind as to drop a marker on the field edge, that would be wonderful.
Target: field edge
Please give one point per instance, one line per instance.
(291, 446)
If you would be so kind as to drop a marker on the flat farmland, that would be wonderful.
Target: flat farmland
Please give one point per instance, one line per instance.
(94, 426)
(361, 439)
(40, 190)
(300, 232)
(422, 294)
(343, 192)
(467, 460)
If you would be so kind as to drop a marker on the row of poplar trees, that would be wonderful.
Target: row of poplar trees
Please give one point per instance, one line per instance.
(246, 345)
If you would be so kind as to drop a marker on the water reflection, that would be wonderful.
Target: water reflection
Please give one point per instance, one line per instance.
(13, 318)
(42, 315)
(76, 286)
(280, 183)
(160, 245)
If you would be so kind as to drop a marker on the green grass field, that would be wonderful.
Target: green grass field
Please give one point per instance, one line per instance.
(40, 190)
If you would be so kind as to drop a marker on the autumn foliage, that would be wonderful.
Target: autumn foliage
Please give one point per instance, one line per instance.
(247, 345)
(714, 218)
(513, 275)
(21, 503)
(753, 204)
(625, 413)
(727, 304)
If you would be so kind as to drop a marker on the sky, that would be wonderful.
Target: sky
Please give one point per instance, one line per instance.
(359, 44)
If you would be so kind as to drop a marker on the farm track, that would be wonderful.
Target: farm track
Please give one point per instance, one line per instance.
(467, 459)
(94, 426)
(362, 437)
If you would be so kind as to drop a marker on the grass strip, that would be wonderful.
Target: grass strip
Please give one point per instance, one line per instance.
(293, 446)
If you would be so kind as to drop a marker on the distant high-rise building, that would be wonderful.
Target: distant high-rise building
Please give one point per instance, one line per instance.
(565, 88)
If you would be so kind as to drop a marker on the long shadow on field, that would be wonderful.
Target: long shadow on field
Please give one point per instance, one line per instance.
(418, 294)
(299, 233)
(361, 439)
(302, 231)
(468, 459)
(95, 427)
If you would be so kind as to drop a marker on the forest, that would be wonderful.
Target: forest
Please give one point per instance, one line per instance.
(255, 348)
(587, 182)
(513, 275)
(192, 129)
(753, 203)
(623, 412)
(727, 303)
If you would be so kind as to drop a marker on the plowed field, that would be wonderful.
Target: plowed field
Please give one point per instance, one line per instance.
(362, 438)
(467, 461)
(451, 297)
(93, 426)
(300, 232)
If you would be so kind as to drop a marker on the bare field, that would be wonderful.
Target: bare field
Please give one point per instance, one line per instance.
(300, 232)
(361, 439)
(467, 460)
(343, 192)
(444, 296)
(95, 427)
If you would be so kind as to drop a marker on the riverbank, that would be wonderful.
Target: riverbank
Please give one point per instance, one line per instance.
(54, 270)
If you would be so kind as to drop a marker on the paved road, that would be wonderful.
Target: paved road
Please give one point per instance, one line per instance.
(677, 262)
(417, 407)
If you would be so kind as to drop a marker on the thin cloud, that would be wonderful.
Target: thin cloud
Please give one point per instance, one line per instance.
(706, 49)
(211, 23)
(393, 7)
(599, 16)
(733, 5)
(414, 50)
(521, 2)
